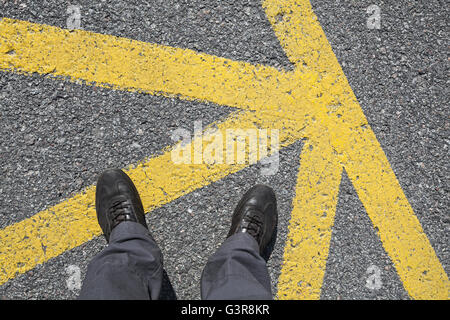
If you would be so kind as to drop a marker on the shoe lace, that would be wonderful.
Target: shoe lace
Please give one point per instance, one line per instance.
(253, 224)
(119, 211)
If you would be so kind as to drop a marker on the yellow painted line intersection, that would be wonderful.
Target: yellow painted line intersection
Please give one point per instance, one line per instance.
(314, 102)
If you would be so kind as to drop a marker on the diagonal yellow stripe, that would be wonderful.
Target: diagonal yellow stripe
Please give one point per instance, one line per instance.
(122, 63)
(51, 232)
(315, 101)
(312, 219)
(400, 231)
(28, 48)
(354, 146)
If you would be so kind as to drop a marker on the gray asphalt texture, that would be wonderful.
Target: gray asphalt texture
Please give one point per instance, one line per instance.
(57, 136)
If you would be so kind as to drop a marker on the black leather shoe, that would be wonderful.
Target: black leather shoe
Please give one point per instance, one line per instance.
(117, 200)
(256, 214)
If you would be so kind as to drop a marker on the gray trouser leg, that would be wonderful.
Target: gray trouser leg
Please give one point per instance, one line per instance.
(236, 271)
(129, 268)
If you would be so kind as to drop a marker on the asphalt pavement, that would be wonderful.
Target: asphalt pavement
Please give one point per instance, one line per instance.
(58, 136)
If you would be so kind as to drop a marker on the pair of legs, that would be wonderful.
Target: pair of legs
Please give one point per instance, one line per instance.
(131, 266)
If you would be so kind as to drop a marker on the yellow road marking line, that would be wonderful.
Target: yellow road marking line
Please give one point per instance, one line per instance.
(399, 229)
(64, 226)
(355, 146)
(315, 100)
(123, 63)
(312, 219)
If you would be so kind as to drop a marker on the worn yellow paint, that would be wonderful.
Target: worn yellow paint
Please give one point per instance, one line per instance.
(312, 218)
(71, 223)
(346, 140)
(123, 63)
(313, 102)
